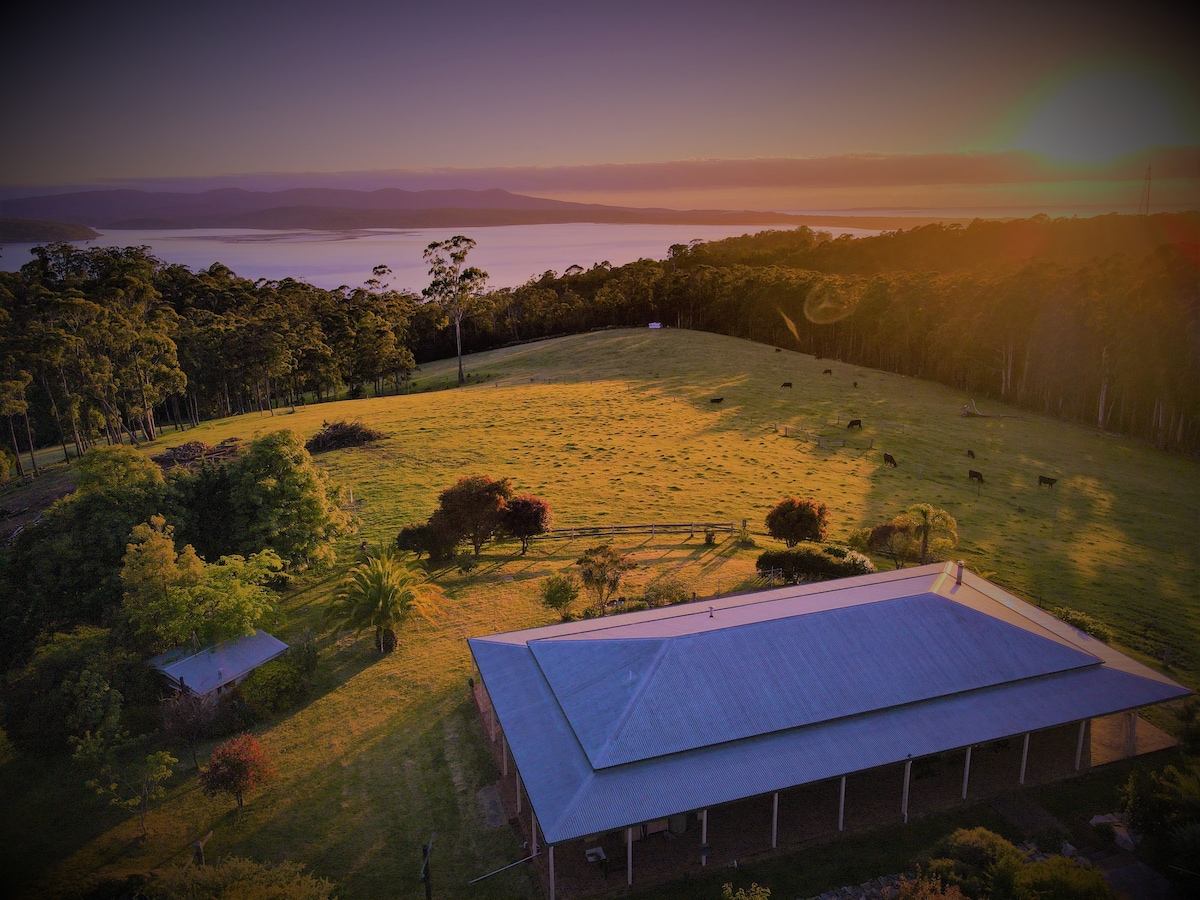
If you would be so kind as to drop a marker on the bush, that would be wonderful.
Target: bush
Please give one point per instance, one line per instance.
(7, 465)
(926, 887)
(710, 537)
(1083, 622)
(810, 564)
(272, 687)
(1059, 878)
(979, 862)
(234, 877)
(665, 590)
(559, 592)
(337, 435)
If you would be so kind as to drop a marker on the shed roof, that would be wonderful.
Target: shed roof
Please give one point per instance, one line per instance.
(625, 719)
(203, 671)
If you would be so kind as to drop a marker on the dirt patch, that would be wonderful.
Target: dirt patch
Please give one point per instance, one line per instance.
(23, 502)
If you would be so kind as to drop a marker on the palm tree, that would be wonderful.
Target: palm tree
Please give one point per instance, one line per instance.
(930, 524)
(383, 593)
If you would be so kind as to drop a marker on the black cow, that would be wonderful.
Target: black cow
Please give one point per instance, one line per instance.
(971, 453)
(889, 460)
(827, 372)
(856, 384)
(716, 400)
(1046, 480)
(778, 349)
(854, 423)
(972, 475)
(786, 384)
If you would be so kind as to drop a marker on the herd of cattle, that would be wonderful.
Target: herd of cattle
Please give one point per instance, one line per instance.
(973, 475)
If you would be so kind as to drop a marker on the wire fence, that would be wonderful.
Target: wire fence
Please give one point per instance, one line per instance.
(654, 528)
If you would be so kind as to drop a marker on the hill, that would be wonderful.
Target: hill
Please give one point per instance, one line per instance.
(617, 427)
(32, 231)
(337, 209)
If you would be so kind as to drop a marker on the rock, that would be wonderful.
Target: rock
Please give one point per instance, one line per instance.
(1068, 850)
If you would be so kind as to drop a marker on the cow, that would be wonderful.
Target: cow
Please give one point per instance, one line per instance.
(827, 372)
(856, 384)
(716, 399)
(786, 384)
(972, 475)
(778, 349)
(889, 460)
(971, 453)
(1046, 480)
(854, 423)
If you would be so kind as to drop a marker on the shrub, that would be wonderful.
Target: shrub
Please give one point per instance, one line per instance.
(809, 563)
(6, 465)
(272, 687)
(794, 520)
(1059, 878)
(744, 539)
(979, 862)
(235, 877)
(1084, 623)
(337, 435)
(926, 887)
(710, 537)
(665, 590)
(559, 592)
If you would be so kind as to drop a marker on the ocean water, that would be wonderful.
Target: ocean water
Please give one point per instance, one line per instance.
(510, 254)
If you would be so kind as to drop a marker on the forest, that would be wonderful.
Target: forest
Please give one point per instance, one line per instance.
(1094, 320)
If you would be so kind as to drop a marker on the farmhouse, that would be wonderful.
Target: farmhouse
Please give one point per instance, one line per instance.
(210, 671)
(914, 688)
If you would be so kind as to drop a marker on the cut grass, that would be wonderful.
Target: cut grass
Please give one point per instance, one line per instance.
(616, 428)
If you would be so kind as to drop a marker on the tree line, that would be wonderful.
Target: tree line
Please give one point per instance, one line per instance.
(1091, 320)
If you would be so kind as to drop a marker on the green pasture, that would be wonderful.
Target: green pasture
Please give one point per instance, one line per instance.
(616, 428)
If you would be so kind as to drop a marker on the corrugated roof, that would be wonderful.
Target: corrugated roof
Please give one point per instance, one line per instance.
(205, 671)
(629, 700)
(622, 720)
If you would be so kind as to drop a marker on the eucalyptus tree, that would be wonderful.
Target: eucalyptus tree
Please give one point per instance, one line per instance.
(455, 287)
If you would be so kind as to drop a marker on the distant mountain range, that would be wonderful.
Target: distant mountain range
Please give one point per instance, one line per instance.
(329, 209)
(332, 209)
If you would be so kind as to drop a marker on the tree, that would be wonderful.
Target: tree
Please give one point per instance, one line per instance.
(601, 569)
(282, 501)
(383, 593)
(794, 520)
(559, 592)
(935, 528)
(895, 539)
(133, 785)
(171, 598)
(473, 508)
(236, 767)
(525, 516)
(187, 720)
(454, 288)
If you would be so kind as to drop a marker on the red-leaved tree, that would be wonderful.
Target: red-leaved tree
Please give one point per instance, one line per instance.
(237, 766)
(525, 516)
(794, 520)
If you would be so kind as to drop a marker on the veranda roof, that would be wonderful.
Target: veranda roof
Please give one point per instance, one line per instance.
(203, 671)
(630, 718)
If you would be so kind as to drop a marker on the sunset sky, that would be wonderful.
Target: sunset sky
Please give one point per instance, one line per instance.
(765, 105)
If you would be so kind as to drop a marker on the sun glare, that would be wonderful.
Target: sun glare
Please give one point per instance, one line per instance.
(1099, 115)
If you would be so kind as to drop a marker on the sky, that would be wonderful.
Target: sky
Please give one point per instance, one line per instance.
(762, 105)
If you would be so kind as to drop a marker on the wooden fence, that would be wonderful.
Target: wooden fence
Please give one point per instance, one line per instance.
(688, 528)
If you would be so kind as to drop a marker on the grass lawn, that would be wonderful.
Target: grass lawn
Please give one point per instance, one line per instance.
(617, 428)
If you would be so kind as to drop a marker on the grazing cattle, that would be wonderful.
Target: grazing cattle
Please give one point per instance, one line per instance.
(778, 349)
(856, 384)
(889, 460)
(972, 475)
(971, 453)
(854, 423)
(786, 384)
(827, 372)
(716, 399)
(1046, 480)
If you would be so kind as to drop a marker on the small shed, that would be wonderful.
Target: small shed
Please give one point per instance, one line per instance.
(212, 670)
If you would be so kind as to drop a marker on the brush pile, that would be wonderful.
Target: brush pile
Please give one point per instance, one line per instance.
(198, 451)
(337, 435)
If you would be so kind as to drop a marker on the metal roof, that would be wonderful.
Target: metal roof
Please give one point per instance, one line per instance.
(206, 670)
(621, 720)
